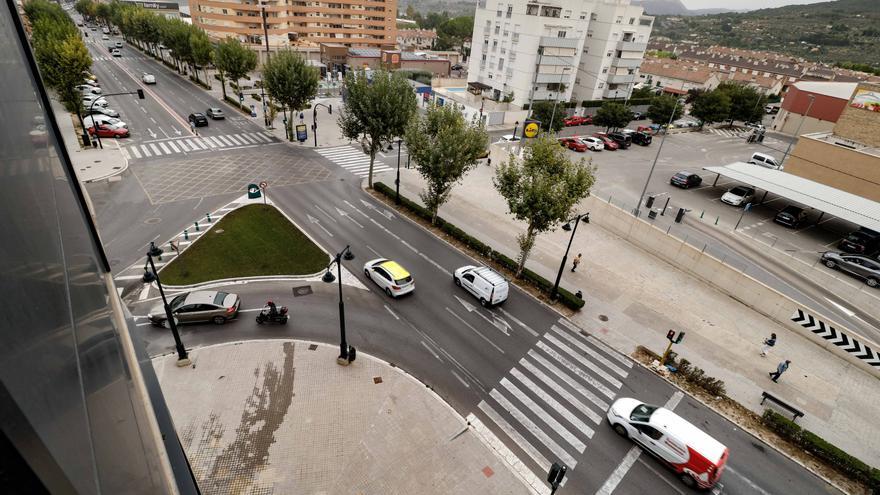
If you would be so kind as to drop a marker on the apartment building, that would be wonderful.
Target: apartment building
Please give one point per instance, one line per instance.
(557, 49)
(364, 23)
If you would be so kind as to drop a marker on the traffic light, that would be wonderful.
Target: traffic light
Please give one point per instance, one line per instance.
(680, 338)
(670, 335)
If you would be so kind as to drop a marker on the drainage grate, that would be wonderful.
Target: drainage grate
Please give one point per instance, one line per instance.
(303, 290)
(312, 347)
(377, 380)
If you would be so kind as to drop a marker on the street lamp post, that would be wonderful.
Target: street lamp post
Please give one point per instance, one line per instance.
(315, 119)
(584, 217)
(515, 127)
(346, 353)
(153, 275)
(797, 132)
(556, 100)
(140, 94)
(397, 180)
(637, 211)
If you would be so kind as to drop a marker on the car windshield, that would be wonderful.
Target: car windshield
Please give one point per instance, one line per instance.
(642, 413)
(739, 191)
(178, 301)
(681, 175)
(220, 297)
(216, 110)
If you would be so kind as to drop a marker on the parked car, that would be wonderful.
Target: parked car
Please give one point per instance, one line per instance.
(685, 180)
(738, 196)
(87, 89)
(148, 78)
(457, 67)
(593, 143)
(484, 283)
(764, 160)
(573, 144)
(215, 113)
(576, 120)
(99, 119)
(791, 216)
(638, 116)
(862, 241)
(99, 110)
(105, 37)
(623, 140)
(106, 131)
(88, 100)
(862, 267)
(198, 119)
(641, 138)
(696, 457)
(772, 108)
(607, 141)
(392, 278)
(648, 129)
(198, 306)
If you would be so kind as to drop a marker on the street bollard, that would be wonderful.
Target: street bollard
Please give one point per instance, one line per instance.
(185, 235)
(208, 216)
(197, 226)
(716, 220)
(702, 213)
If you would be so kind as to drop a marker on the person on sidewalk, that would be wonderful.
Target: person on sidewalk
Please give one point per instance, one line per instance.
(489, 162)
(575, 262)
(768, 344)
(774, 375)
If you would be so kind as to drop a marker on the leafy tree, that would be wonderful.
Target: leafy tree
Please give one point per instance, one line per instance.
(410, 11)
(541, 189)
(72, 58)
(290, 81)
(711, 106)
(612, 115)
(644, 92)
(746, 103)
(453, 32)
(664, 109)
(444, 148)
(543, 111)
(202, 52)
(86, 8)
(102, 13)
(233, 61)
(376, 111)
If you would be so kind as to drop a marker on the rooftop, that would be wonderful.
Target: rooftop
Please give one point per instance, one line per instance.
(842, 90)
(831, 138)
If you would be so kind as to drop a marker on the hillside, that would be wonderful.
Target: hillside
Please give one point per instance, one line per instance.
(672, 7)
(839, 31)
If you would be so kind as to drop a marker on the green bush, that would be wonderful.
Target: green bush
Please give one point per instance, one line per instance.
(698, 377)
(257, 97)
(234, 102)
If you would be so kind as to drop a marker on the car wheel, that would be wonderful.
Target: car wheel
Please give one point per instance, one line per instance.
(367, 274)
(688, 480)
(388, 292)
(872, 282)
(457, 281)
(219, 320)
(621, 430)
(484, 303)
(259, 320)
(830, 264)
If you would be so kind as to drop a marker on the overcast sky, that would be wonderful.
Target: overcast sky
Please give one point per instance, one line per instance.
(742, 4)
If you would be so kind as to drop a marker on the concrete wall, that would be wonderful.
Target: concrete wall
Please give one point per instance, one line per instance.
(736, 284)
(836, 166)
(787, 123)
(859, 124)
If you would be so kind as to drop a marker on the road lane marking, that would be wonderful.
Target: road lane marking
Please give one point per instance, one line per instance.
(660, 476)
(534, 429)
(514, 435)
(549, 420)
(165, 148)
(392, 312)
(598, 343)
(595, 355)
(553, 403)
(223, 141)
(145, 293)
(585, 362)
(475, 330)
(515, 320)
(173, 146)
(325, 213)
(460, 379)
(431, 351)
(135, 151)
(749, 482)
(554, 385)
(601, 404)
(409, 246)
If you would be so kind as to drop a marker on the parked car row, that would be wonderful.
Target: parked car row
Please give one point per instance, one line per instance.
(611, 141)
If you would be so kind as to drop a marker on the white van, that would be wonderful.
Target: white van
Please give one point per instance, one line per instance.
(484, 283)
(764, 161)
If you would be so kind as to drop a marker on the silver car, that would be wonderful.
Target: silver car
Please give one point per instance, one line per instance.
(199, 306)
(863, 267)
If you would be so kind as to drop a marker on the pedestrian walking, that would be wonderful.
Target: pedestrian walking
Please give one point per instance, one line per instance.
(774, 375)
(575, 262)
(192, 127)
(768, 344)
(489, 162)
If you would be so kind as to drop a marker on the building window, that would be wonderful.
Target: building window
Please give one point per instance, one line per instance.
(494, 45)
(589, 34)
(601, 85)
(560, 34)
(550, 11)
(498, 13)
(506, 33)
(619, 19)
(567, 14)
(608, 54)
(586, 50)
(484, 58)
(594, 17)
(500, 63)
(224, 12)
(644, 22)
(632, 20)
(512, 57)
(497, 29)
(531, 10)
(604, 70)
(583, 15)
(515, 38)
(509, 11)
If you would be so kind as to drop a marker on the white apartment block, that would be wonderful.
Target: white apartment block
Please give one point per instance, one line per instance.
(591, 48)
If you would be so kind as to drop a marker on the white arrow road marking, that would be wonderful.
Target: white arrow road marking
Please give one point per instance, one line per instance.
(346, 215)
(515, 320)
(503, 325)
(355, 209)
(176, 130)
(325, 213)
(384, 212)
(431, 351)
(475, 330)
(318, 223)
(151, 133)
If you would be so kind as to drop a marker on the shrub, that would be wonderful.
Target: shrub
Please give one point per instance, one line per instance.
(234, 102)
(698, 377)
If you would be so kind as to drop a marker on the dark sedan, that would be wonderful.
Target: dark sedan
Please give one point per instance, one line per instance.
(198, 119)
(685, 180)
(791, 216)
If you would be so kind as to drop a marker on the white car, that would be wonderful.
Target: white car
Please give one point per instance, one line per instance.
(738, 196)
(110, 122)
(509, 138)
(99, 110)
(148, 78)
(88, 101)
(484, 283)
(593, 143)
(105, 37)
(392, 278)
(89, 89)
(116, 52)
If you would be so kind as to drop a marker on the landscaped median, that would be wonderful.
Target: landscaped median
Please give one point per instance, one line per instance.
(251, 241)
(504, 262)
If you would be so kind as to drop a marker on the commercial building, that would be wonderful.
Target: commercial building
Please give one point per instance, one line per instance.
(829, 99)
(337, 57)
(559, 49)
(367, 23)
(416, 38)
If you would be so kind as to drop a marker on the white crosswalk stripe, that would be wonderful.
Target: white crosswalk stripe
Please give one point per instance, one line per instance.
(543, 415)
(134, 151)
(173, 146)
(165, 148)
(188, 145)
(353, 159)
(530, 425)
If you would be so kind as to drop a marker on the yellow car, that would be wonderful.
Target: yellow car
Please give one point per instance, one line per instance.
(390, 276)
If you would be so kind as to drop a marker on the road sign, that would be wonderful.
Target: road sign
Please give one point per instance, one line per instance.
(264, 185)
(531, 128)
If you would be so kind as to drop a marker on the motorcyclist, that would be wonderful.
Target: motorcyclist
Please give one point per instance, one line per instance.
(273, 310)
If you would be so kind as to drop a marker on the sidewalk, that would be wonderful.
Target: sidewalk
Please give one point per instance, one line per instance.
(280, 416)
(90, 164)
(634, 298)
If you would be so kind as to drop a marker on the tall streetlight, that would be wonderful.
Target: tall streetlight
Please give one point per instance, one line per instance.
(583, 217)
(397, 180)
(638, 211)
(797, 132)
(140, 94)
(556, 100)
(315, 119)
(346, 353)
(153, 275)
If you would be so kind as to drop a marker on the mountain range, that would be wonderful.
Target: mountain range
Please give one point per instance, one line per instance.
(673, 7)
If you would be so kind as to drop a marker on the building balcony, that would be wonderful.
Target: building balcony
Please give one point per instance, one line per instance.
(627, 63)
(556, 61)
(564, 78)
(621, 78)
(562, 42)
(631, 46)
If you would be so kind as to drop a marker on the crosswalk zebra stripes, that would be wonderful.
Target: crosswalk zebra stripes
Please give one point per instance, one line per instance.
(196, 144)
(735, 132)
(353, 159)
(550, 403)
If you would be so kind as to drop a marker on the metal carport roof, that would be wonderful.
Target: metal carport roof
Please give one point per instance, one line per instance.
(847, 206)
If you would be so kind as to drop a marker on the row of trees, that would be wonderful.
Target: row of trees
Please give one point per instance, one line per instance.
(611, 115)
(61, 55)
(729, 101)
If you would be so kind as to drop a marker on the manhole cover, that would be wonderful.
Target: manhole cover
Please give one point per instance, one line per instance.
(302, 290)
(603, 318)
(152, 221)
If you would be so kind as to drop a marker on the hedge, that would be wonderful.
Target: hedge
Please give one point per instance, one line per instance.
(815, 445)
(565, 297)
(234, 102)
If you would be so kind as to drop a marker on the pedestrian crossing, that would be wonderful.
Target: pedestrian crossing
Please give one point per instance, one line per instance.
(196, 144)
(550, 404)
(353, 159)
(736, 132)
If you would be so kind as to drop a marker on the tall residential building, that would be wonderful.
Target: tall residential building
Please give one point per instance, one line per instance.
(364, 23)
(558, 49)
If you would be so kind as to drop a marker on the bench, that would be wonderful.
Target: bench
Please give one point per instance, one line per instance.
(796, 413)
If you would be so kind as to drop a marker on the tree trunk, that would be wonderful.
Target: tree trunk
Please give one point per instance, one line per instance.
(223, 84)
(372, 160)
(526, 243)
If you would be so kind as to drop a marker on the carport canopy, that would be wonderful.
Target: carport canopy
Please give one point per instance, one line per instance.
(841, 204)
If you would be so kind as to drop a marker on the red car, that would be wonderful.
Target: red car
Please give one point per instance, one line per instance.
(609, 143)
(576, 120)
(573, 144)
(109, 132)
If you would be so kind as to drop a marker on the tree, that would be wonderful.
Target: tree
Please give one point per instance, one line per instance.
(376, 111)
(290, 81)
(643, 92)
(746, 103)
(543, 112)
(541, 189)
(453, 32)
(202, 52)
(444, 148)
(612, 115)
(711, 106)
(410, 11)
(233, 61)
(664, 109)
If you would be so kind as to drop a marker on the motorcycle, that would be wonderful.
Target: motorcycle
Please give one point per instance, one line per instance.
(271, 313)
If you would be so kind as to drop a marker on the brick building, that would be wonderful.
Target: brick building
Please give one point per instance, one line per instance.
(829, 101)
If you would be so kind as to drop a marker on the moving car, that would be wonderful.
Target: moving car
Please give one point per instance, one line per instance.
(593, 143)
(215, 113)
(685, 180)
(738, 196)
(99, 110)
(607, 141)
(862, 241)
(638, 116)
(198, 306)
(198, 119)
(116, 52)
(392, 278)
(860, 266)
(105, 37)
(118, 44)
(107, 131)
(764, 161)
(484, 283)
(791, 216)
(577, 120)
(148, 78)
(698, 458)
(573, 144)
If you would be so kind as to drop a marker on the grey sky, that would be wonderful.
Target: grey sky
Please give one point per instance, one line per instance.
(742, 4)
